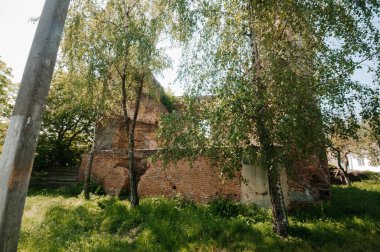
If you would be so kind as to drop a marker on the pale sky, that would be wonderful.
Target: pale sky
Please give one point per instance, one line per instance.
(17, 32)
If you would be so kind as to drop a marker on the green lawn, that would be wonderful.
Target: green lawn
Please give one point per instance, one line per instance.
(56, 221)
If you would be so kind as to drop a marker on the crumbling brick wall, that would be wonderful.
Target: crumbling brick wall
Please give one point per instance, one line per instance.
(111, 170)
(199, 181)
(308, 181)
(114, 137)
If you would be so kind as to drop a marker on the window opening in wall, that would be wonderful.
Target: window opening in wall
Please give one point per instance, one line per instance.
(361, 161)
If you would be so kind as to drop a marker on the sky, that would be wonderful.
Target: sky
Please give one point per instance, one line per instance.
(17, 32)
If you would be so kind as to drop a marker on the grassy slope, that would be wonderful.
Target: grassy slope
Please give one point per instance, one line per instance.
(54, 222)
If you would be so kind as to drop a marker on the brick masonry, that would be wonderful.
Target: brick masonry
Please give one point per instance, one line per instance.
(199, 181)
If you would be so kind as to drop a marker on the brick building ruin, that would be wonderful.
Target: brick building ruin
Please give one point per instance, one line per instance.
(201, 181)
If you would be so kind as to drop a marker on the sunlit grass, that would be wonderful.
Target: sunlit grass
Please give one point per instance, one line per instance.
(55, 221)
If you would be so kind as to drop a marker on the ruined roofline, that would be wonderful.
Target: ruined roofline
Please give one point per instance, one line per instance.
(156, 82)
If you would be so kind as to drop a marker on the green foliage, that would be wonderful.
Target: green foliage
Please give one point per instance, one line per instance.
(368, 175)
(6, 89)
(228, 209)
(3, 131)
(286, 63)
(67, 191)
(348, 222)
(167, 100)
(361, 141)
(118, 218)
(116, 41)
(67, 124)
(371, 115)
(225, 208)
(6, 96)
(358, 203)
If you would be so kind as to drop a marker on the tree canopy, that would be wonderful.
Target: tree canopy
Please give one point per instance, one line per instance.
(6, 96)
(270, 73)
(67, 123)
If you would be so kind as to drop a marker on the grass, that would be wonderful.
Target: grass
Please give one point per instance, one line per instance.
(58, 221)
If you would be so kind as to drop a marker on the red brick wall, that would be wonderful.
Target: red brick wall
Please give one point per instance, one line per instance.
(199, 181)
(111, 170)
(309, 178)
(145, 136)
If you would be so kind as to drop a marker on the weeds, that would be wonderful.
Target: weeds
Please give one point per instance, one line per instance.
(53, 222)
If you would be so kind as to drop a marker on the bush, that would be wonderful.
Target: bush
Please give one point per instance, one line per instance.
(368, 175)
(225, 208)
(167, 100)
(229, 209)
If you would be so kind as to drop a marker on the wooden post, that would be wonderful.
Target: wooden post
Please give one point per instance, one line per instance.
(21, 140)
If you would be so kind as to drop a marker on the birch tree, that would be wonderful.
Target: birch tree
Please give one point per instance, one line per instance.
(123, 36)
(276, 74)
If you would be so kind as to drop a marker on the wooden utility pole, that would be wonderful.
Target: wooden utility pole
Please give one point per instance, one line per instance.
(21, 140)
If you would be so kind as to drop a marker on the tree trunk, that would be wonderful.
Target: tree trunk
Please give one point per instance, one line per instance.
(342, 171)
(100, 109)
(131, 148)
(263, 119)
(123, 76)
(87, 180)
(124, 101)
(20, 144)
(347, 164)
(280, 219)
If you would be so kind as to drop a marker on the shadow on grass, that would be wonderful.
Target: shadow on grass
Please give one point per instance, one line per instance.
(346, 202)
(347, 235)
(156, 225)
(65, 192)
(349, 222)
